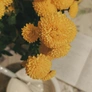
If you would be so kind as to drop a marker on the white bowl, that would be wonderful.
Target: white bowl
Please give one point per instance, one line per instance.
(16, 85)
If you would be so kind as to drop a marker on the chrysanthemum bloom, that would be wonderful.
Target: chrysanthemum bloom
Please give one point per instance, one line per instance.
(59, 52)
(39, 67)
(7, 2)
(2, 9)
(43, 49)
(56, 30)
(43, 7)
(73, 9)
(62, 4)
(29, 33)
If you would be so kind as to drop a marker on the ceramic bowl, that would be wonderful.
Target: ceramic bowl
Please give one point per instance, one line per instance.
(16, 85)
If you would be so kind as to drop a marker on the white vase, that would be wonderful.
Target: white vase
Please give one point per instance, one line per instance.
(32, 85)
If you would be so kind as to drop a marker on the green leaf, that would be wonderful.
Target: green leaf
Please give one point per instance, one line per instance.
(1, 26)
(24, 57)
(34, 48)
(6, 53)
(12, 19)
(0, 55)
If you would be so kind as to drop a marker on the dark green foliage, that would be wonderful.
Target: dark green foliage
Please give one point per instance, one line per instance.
(6, 52)
(10, 30)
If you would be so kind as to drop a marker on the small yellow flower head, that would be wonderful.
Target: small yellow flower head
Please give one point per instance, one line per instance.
(59, 52)
(2, 9)
(38, 67)
(43, 7)
(7, 2)
(29, 33)
(56, 30)
(62, 4)
(73, 9)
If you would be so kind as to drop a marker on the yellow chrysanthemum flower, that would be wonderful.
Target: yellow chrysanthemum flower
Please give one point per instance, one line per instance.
(73, 9)
(59, 52)
(7, 2)
(2, 9)
(56, 30)
(39, 67)
(43, 7)
(29, 33)
(62, 4)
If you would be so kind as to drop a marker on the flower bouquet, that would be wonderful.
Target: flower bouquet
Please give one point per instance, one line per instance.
(39, 30)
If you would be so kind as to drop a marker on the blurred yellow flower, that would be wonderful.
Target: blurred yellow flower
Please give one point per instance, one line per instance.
(39, 67)
(56, 30)
(7, 2)
(29, 33)
(73, 9)
(2, 9)
(43, 7)
(62, 4)
(59, 52)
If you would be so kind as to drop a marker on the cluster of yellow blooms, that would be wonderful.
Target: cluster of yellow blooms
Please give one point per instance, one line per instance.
(43, 7)
(39, 67)
(5, 7)
(55, 32)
